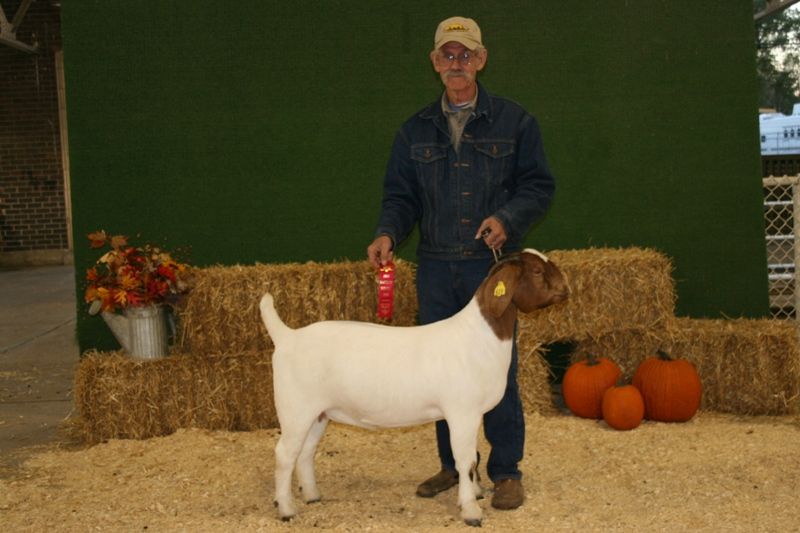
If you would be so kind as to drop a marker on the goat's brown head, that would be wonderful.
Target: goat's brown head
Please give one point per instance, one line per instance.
(528, 280)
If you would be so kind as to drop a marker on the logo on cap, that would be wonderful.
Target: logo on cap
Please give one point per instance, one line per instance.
(456, 27)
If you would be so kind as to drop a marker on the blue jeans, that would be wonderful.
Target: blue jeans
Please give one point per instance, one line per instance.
(443, 289)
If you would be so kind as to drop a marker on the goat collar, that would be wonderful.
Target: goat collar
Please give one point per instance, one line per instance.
(536, 252)
(516, 256)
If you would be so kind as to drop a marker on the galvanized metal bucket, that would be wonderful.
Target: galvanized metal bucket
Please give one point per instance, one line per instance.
(142, 331)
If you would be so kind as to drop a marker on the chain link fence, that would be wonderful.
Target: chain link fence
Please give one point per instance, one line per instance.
(781, 201)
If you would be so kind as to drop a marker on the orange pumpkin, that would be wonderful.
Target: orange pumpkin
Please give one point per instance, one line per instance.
(623, 407)
(584, 384)
(671, 388)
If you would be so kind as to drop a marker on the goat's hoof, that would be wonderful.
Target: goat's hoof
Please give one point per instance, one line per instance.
(474, 522)
(286, 513)
(313, 500)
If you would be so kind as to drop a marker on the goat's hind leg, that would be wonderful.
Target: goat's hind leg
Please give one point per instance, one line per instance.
(463, 441)
(293, 436)
(305, 461)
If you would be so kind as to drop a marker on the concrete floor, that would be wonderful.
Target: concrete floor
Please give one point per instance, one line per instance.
(38, 356)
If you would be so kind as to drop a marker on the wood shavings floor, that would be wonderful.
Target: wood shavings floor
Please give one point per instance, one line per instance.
(714, 473)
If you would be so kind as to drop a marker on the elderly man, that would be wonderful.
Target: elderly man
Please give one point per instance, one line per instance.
(471, 170)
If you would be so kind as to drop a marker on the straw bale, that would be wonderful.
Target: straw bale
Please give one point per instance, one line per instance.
(220, 314)
(747, 366)
(610, 289)
(533, 378)
(120, 397)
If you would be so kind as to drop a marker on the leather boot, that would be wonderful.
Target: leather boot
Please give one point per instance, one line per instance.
(508, 494)
(438, 483)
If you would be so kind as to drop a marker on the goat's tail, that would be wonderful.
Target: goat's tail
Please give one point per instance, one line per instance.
(275, 326)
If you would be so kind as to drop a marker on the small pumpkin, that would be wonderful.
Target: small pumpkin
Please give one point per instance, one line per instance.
(584, 384)
(671, 388)
(623, 407)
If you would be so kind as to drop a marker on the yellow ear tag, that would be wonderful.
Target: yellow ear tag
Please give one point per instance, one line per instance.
(500, 289)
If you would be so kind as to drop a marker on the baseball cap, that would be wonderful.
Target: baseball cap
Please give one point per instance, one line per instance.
(459, 29)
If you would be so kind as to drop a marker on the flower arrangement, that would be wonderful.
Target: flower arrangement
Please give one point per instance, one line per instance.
(132, 276)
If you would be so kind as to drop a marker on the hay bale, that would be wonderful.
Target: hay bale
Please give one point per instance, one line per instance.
(220, 314)
(611, 289)
(120, 397)
(533, 378)
(747, 366)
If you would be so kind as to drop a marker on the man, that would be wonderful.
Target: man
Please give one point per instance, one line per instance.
(471, 170)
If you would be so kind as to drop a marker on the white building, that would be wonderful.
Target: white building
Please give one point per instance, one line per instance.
(780, 134)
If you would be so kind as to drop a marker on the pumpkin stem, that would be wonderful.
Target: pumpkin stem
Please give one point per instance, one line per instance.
(591, 360)
(664, 356)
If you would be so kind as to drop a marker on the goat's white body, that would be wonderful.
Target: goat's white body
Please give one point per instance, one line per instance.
(372, 376)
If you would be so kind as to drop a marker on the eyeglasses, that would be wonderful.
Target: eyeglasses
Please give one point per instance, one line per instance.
(446, 60)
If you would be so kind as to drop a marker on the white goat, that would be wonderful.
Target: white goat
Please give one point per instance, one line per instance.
(371, 375)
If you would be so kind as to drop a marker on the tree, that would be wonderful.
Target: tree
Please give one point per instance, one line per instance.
(778, 58)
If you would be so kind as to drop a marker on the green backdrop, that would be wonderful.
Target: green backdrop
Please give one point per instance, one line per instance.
(259, 130)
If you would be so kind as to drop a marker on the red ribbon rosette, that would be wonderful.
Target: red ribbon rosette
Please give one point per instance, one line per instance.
(386, 291)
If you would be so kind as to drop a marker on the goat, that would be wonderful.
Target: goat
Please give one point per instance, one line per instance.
(372, 375)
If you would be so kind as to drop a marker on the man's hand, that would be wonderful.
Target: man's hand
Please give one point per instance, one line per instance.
(380, 251)
(493, 233)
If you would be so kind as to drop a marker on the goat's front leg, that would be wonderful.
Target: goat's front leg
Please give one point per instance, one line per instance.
(305, 461)
(293, 435)
(463, 441)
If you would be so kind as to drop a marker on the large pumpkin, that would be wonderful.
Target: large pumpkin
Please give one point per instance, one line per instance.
(671, 388)
(584, 384)
(623, 407)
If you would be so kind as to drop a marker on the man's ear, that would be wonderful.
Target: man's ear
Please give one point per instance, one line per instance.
(498, 289)
(433, 59)
(482, 58)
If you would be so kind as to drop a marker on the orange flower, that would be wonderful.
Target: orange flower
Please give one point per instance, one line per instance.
(90, 294)
(166, 272)
(97, 239)
(126, 276)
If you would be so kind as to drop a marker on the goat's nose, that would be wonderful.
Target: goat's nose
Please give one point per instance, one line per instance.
(562, 295)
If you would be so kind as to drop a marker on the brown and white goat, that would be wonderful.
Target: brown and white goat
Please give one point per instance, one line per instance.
(372, 376)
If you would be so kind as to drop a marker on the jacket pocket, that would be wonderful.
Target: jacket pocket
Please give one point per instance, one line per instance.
(427, 153)
(495, 149)
(495, 161)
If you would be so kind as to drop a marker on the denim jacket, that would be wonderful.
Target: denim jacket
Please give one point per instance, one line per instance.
(500, 170)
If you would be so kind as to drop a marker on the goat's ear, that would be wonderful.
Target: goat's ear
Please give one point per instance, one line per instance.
(530, 294)
(498, 289)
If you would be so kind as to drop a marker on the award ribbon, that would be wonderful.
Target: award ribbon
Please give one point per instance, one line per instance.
(386, 291)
